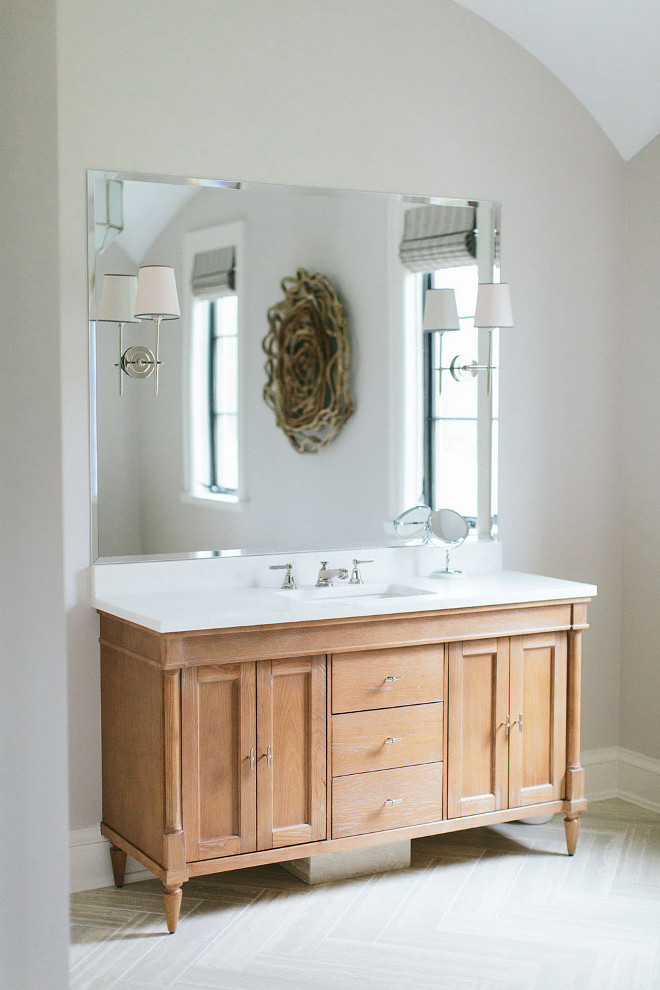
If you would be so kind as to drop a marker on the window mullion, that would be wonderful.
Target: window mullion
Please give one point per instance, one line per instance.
(213, 467)
(428, 409)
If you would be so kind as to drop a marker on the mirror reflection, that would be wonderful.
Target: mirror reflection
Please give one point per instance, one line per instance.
(205, 466)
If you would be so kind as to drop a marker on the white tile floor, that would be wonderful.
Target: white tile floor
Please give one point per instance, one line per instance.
(500, 908)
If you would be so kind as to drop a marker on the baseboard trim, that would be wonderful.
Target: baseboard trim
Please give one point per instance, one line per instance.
(602, 773)
(612, 772)
(639, 779)
(89, 858)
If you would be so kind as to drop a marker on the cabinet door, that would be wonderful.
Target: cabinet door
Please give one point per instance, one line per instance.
(537, 743)
(291, 750)
(477, 744)
(218, 709)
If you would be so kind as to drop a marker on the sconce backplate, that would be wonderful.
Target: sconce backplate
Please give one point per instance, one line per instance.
(460, 372)
(138, 362)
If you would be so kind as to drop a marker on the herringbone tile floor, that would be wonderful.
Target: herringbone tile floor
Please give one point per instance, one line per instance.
(499, 908)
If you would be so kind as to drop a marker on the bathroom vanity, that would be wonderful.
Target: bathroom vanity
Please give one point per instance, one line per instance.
(251, 727)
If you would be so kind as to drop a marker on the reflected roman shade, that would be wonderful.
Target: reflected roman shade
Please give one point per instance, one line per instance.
(214, 273)
(438, 237)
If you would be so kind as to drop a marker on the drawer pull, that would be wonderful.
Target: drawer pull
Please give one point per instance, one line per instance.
(399, 677)
(393, 739)
(390, 801)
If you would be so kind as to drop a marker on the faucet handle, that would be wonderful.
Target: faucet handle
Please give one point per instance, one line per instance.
(356, 577)
(288, 584)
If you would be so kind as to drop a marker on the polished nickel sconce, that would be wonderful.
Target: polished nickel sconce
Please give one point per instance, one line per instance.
(493, 310)
(149, 295)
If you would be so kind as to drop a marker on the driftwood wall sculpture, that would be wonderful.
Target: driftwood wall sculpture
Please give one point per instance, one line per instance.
(309, 360)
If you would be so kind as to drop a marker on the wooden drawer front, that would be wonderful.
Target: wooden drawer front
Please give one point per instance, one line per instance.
(360, 801)
(386, 738)
(408, 675)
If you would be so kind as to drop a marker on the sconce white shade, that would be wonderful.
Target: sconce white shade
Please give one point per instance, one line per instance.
(156, 293)
(493, 306)
(440, 312)
(117, 302)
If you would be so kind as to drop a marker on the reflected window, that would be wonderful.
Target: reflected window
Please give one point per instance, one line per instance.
(451, 407)
(460, 419)
(214, 257)
(452, 247)
(216, 320)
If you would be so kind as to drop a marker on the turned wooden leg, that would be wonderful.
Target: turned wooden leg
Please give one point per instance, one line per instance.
(172, 897)
(572, 826)
(118, 857)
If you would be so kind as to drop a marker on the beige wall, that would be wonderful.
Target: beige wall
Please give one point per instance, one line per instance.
(416, 96)
(413, 95)
(33, 786)
(640, 513)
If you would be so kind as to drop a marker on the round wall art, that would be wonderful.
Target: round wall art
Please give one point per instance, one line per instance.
(309, 361)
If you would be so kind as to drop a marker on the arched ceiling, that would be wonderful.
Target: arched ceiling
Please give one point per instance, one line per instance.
(607, 52)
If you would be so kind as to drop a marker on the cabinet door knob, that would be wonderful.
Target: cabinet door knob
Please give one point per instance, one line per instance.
(390, 801)
(399, 677)
(393, 739)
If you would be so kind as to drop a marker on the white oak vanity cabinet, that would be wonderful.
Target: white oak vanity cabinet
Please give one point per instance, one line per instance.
(226, 748)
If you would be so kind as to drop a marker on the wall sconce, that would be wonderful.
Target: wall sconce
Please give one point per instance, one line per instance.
(440, 312)
(493, 310)
(117, 305)
(440, 315)
(149, 295)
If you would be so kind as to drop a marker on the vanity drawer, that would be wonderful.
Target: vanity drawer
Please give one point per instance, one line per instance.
(385, 738)
(408, 675)
(361, 802)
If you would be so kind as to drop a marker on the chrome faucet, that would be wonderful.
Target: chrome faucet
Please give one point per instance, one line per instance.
(356, 577)
(288, 584)
(324, 580)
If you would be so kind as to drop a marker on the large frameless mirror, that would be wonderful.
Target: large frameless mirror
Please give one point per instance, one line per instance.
(204, 466)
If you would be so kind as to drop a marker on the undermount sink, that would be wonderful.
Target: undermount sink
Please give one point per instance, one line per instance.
(352, 593)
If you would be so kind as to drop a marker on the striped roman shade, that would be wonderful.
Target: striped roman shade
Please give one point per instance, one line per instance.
(438, 237)
(214, 273)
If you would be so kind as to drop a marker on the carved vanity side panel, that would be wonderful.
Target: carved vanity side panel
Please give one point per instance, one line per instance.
(133, 750)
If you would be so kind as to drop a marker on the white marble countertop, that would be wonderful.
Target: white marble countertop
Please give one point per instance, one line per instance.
(188, 610)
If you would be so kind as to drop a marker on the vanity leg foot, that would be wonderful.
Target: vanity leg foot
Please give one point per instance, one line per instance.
(118, 858)
(172, 896)
(572, 827)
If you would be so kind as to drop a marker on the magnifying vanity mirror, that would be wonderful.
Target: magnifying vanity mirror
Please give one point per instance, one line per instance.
(203, 467)
(447, 529)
